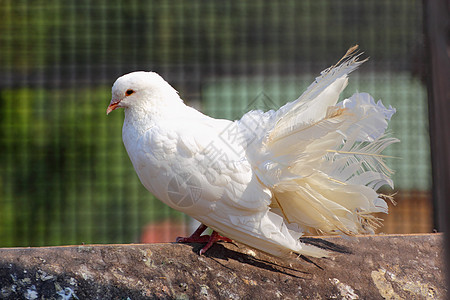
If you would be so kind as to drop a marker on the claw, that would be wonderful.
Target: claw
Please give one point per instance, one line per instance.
(215, 237)
(196, 237)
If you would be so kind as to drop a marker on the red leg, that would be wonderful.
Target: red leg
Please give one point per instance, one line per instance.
(215, 237)
(196, 237)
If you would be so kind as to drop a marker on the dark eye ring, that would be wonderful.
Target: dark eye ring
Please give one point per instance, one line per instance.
(129, 92)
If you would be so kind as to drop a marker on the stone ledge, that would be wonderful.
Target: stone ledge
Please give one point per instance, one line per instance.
(364, 267)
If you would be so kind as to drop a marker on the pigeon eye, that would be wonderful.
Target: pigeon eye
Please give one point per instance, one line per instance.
(129, 92)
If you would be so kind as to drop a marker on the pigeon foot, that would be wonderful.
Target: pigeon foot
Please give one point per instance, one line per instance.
(215, 237)
(196, 237)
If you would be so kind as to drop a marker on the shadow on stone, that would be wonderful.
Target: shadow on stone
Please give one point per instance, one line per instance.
(219, 252)
(326, 245)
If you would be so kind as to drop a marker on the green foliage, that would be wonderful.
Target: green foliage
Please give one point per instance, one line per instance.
(65, 175)
(198, 32)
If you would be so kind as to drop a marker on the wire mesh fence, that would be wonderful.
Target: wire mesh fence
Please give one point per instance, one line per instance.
(65, 175)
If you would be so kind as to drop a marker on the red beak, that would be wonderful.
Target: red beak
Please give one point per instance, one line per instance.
(112, 106)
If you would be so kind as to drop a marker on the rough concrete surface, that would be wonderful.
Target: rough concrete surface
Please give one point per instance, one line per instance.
(365, 267)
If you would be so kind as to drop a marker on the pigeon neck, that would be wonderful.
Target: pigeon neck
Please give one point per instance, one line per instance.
(141, 118)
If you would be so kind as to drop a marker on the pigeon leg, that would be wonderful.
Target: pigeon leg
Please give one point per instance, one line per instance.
(196, 237)
(215, 237)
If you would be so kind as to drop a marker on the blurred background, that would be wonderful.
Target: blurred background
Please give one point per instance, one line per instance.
(65, 177)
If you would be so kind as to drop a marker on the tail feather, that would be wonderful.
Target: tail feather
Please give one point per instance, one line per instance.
(322, 93)
(326, 205)
(289, 142)
(322, 160)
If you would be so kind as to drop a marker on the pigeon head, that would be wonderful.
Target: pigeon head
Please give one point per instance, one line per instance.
(141, 90)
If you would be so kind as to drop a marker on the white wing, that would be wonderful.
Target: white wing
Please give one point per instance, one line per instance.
(231, 199)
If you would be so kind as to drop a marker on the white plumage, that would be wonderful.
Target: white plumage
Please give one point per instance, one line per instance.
(264, 180)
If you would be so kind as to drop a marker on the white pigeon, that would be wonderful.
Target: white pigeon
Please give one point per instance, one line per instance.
(314, 165)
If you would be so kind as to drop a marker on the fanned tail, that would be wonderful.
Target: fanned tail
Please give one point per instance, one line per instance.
(323, 161)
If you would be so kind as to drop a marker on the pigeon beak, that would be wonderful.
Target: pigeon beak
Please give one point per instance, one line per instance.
(112, 106)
